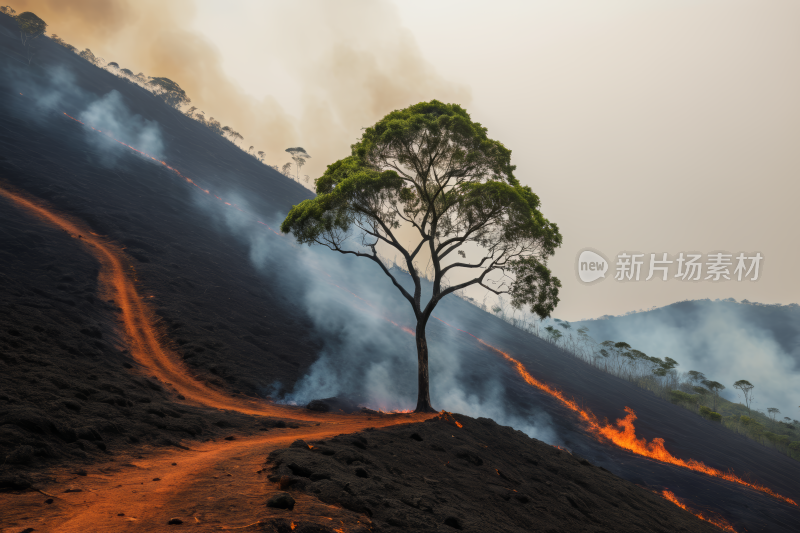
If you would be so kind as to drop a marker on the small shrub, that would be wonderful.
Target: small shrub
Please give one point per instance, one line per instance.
(777, 440)
(677, 397)
(794, 449)
(705, 412)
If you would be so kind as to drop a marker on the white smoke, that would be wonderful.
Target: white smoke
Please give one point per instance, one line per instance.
(365, 357)
(54, 92)
(51, 93)
(110, 115)
(720, 339)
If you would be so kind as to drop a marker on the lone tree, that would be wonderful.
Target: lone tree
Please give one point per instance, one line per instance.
(662, 368)
(696, 377)
(299, 155)
(170, 92)
(214, 125)
(714, 387)
(89, 56)
(233, 134)
(747, 390)
(30, 26)
(431, 170)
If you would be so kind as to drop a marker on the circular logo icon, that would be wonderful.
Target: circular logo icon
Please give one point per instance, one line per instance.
(591, 266)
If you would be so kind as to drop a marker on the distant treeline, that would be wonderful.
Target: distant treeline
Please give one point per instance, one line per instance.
(164, 88)
(691, 390)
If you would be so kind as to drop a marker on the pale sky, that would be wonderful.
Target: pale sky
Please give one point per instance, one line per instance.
(650, 126)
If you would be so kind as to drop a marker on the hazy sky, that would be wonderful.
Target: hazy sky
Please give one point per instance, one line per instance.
(648, 126)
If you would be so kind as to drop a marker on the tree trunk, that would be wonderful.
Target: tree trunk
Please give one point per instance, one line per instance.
(423, 391)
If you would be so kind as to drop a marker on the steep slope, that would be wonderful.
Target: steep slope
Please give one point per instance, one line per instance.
(237, 306)
(726, 340)
(471, 475)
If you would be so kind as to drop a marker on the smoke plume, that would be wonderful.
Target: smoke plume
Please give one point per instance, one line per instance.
(110, 115)
(726, 341)
(344, 84)
(351, 62)
(367, 356)
(54, 90)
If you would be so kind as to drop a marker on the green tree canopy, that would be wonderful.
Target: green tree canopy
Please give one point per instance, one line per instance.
(663, 368)
(30, 26)
(89, 56)
(431, 170)
(696, 377)
(714, 387)
(747, 390)
(170, 92)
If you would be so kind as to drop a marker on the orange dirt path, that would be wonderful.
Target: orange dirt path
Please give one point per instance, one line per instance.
(213, 486)
(190, 487)
(143, 337)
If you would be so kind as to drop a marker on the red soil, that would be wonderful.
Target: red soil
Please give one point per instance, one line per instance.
(188, 490)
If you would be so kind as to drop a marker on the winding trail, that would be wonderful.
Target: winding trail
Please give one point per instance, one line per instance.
(143, 337)
(143, 495)
(213, 485)
(622, 433)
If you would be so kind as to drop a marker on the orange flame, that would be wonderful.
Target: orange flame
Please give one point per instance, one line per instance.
(393, 411)
(717, 521)
(622, 434)
(445, 415)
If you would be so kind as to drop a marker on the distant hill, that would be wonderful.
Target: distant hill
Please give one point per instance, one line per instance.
(250, 313)
(724, 339)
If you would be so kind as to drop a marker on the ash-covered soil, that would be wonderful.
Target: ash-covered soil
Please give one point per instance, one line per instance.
(436, 476)
(243, 329)
(70, 393)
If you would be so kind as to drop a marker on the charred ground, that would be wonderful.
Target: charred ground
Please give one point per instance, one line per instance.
(67, 389)
(437, 476)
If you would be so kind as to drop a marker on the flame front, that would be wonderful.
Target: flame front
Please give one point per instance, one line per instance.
(622, 433)
(717, 521)
(445, 415)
